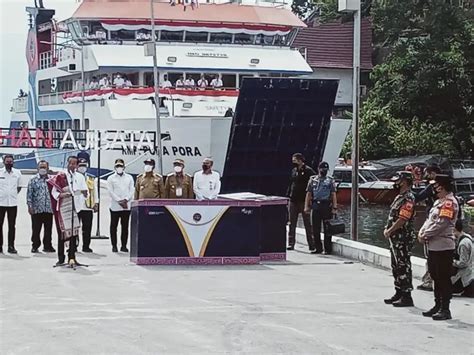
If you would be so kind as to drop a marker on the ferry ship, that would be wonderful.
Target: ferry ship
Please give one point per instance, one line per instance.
(205, 52)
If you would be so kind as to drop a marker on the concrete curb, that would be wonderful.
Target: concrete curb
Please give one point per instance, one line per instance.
(365, 253)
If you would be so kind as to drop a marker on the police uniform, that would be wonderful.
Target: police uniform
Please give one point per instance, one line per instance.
(401, 242)
(321, 189)
(438, 233)
(149, 185)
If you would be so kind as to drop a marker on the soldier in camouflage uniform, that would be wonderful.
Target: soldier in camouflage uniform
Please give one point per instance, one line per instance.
(401, 234)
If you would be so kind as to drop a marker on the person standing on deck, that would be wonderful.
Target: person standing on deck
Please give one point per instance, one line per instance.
(149, 184)
(178, 184)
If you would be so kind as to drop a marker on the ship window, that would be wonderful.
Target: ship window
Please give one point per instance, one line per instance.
(221, 37)
(173, 77)
(262, 39)
(280, 40)
(196, 37)
(53, 124)
(86, 123)
(229, 81)
(343, 176)
(45, 125)
(68, 124)
(244, 38)
(125, 35)
(38, 124)
(77, 125)
(172, 36)
(60, 124)
(45, 86)
(368, 175)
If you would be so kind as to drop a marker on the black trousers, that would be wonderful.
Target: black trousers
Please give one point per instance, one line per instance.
(321, 214)
(72, 245)
(38, 220)
(440, 265)
(295, 209)
(115, 217)
(86, 216)
(11, 216)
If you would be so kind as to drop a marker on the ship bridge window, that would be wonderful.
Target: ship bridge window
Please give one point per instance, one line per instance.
(244, 38)
(196, 37)
(172, 36)
(221, 37)
(124, 35)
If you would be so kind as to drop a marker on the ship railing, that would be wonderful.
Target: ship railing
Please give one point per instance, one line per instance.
(20, 105)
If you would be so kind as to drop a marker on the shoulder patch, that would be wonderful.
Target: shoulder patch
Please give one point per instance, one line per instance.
(447, 210)
(406, 211)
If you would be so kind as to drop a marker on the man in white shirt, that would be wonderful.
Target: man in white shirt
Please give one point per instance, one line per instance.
(89, 205)
(217, 83)
(9, 189)
(180, 83)
(94, 84)
(104, 83)
(189, 83)
(202, 82)
(166, 83)
(119, 82)
(65, 185)
(121, 189)
(207, 183)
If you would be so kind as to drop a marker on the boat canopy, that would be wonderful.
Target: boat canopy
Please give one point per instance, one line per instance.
(204, 58)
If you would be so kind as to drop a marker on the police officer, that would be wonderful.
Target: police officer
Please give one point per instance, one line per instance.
(178, 184)
(149, 184)
(321, 200)
(438, 234)
(428, 196)
(401, 234)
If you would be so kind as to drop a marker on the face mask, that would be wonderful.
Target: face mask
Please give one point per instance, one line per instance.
(178, 169)
(323, 172)
(119, 170)
(148, 168)
(8, 165)
(42, 171)
(82, 169)
(206, 167)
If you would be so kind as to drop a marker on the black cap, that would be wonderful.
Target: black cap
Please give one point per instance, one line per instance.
(82, 161)
(323, 165)
(150, 161)
(443, 180)
(407, 175)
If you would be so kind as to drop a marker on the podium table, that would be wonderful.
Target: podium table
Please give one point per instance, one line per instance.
(209, 232)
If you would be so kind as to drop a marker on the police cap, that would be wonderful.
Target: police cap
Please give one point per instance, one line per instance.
(150, 161)
(119, 162)
(323, 165)
(443, 180)
(178, 161)
(82, 162)
(407, 175)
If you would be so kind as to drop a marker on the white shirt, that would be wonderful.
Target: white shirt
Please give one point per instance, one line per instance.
(190, 82)
(206, 186)
(77, 183)
(216, 83)
(93, 85)
(179, 83)
(119, 82)
(202, 83)
(104, 83)
(9, 183)
(121, 187)
(166, 84)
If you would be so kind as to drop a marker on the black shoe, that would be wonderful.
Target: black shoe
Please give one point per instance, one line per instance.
(424, 287)
(432, 311)
(49, 250)
(290, 247)
(12, 250)
(405, 301)
(326, 253)
(114, 250)
(1, 250)
(87, 250)
(316, 252)
(34, 250)
(443, 314)
(124, 249)
(394, 298)
(60, 261)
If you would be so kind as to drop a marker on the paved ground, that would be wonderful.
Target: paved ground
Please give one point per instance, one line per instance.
(309, 305)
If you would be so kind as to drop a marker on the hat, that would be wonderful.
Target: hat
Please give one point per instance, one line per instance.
(119, 162)
(443, 180)
(150, 161)
(82, 161)
(403, 175)
(323, 165)
(178, 161)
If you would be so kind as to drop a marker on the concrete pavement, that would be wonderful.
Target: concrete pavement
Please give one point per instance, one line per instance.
(308, 305)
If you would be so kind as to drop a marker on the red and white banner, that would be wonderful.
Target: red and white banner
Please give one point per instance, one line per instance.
(147, 93)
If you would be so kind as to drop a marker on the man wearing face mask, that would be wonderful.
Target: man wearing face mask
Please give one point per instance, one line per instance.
(321, 201)
(9, 189)
(401, 234)
(121, 190)
(428, 196)
(179, 184)
(149, 184)
(40, 209)
(438, 233)
(297, 193)
(89, 205)
(207, 183)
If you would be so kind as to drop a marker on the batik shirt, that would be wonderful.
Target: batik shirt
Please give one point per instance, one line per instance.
(37, 196)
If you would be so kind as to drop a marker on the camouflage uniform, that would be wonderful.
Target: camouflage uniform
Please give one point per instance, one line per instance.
(401, 242)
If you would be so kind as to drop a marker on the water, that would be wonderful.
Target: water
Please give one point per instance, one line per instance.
(372, 220)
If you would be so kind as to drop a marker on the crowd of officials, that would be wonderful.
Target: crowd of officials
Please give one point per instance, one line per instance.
(448, 249)
(45, 191)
